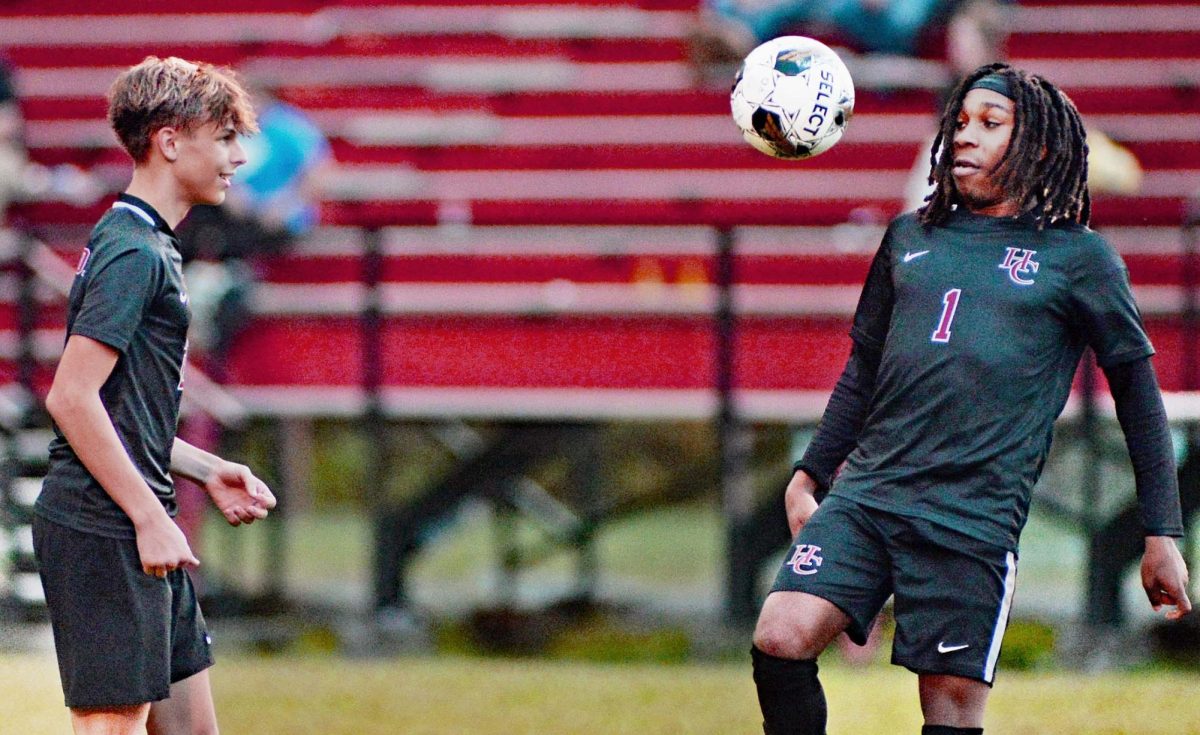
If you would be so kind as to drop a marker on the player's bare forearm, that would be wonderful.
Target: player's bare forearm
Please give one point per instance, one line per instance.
(238, 494)
(800, 500)
(192, 462)
(1165, 576)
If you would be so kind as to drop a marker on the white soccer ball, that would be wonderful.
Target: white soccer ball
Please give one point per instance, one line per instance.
(792, 98)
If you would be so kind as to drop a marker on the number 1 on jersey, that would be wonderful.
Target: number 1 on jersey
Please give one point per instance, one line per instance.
(949, 306)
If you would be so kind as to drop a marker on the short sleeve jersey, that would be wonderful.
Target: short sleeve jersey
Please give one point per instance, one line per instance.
(981, 323)
(128, 294)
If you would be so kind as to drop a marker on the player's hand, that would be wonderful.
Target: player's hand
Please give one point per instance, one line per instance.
(800, 501)
(238, 494)
(1165, 576)
(162, 547)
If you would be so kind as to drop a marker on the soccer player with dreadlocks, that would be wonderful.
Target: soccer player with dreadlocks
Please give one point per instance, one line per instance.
(973, 318)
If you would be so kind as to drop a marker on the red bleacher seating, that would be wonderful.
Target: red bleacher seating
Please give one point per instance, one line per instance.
(535, 114)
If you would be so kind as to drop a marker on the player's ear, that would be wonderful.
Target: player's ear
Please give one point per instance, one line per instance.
(166, 142)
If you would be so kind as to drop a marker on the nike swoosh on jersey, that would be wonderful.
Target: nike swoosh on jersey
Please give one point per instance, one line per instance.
(943, 648)
(914, 256)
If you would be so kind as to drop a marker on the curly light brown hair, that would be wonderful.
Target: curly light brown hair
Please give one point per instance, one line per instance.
(171, 92)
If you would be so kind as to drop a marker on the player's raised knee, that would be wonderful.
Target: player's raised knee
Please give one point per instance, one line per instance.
(786, 640)
(796, 626)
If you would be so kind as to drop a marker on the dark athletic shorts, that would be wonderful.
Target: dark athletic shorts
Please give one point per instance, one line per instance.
(952, 592)
(122, 636)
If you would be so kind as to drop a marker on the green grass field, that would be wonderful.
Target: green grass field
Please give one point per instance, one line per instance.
(331, 696)
(671, 553)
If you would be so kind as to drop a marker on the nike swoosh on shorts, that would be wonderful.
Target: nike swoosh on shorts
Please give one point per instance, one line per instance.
(943, 648)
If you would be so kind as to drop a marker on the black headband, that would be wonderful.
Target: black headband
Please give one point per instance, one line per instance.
(995, 82)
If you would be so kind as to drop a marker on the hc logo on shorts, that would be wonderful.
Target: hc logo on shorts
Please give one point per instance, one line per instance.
(1018, 261)
(806, 559)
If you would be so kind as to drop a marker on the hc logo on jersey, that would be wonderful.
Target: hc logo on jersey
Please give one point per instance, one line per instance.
(1018, 261)
(806, 559)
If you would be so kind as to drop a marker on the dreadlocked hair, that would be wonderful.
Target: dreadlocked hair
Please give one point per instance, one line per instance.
(1045, 166)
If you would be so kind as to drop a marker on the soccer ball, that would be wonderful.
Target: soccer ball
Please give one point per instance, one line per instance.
(792, 98)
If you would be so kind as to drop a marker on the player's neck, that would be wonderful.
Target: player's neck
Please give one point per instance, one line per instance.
(1006, 208)
(157, 187)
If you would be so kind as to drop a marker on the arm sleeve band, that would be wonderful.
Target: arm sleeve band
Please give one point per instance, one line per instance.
(844, 417)
(846, 412)
(1143, 418)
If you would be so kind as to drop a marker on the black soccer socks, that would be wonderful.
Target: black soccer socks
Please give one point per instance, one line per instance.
(947, 730)
(789, 694)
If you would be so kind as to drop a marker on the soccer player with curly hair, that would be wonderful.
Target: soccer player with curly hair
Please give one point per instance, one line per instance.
(973, 318)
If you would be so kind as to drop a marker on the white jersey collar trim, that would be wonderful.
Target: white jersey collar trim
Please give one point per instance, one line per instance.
(136, 210)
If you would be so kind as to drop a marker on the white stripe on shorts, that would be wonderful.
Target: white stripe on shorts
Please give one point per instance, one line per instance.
(1010, 586)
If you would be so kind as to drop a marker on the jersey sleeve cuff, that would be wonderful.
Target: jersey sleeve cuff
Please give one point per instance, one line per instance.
(118, 342)
(817, 475)
(865, 340)
(1121, 358)
(1173, 532)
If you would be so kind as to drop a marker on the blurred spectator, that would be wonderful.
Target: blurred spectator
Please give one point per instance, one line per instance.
(20, 178)
(273, 201)
(974, 30)
(1112, 168)
(278, 188)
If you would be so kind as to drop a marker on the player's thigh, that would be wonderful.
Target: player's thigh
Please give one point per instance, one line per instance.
(953, 595)
(188, 711)
(110, 720)
(839, 557)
